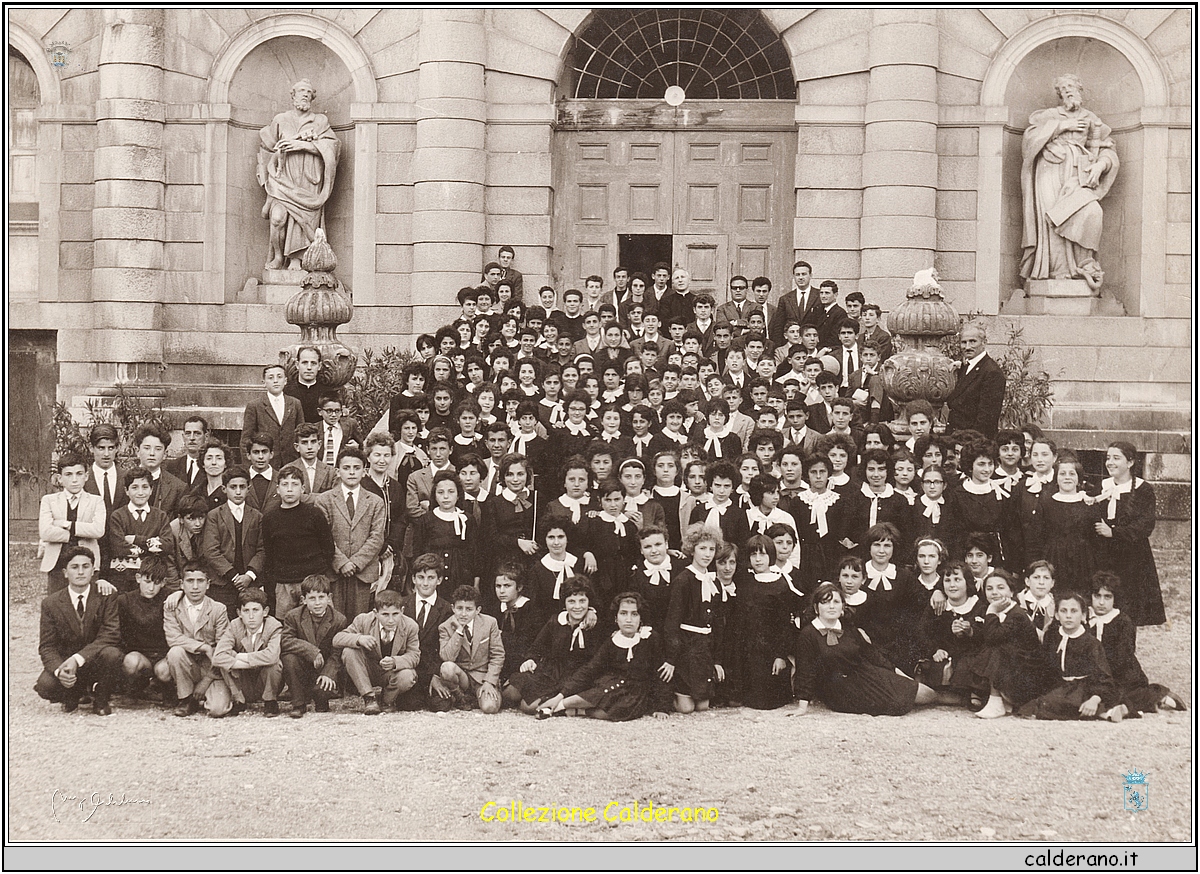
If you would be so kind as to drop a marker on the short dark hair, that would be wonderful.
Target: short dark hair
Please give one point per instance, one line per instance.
(234, 472)
(152, 430)
(252, 596)
(351, 452)
(315, 583)
(463, 593)
(388, 598)
(262, 440)
(103, 431)
(75, 551)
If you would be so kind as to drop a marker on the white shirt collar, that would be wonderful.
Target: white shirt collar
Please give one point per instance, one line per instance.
(238, 510)
(972, 362)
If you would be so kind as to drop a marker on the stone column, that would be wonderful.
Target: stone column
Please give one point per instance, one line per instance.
(129, 222)
(900, 162)
(449, 163)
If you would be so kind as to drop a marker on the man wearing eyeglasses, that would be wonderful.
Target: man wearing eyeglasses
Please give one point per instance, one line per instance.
(336, 431)
(735, 311)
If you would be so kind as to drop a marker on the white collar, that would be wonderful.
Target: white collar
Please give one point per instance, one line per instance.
(1099, 622)
(966, 606)
(268, 475)
(520, 602)
(1075, 498)
(972, 362)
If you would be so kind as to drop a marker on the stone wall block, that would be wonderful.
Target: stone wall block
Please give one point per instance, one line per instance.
(449, 225)
(126, 40)
(898, 200)
(899, 232)
(127, 132)
(130, 80)
(887, 168)
(129, 162)
(830, 233)
(903, 42)
(447, 165)
(134, 108)
(146, 194)
(439, 256)
(450, 133)
(902, 82)
(831, 203)
(129, 253)
(901, 136)
(901, 110)
(128, 223)
(514, 200)
(126, 287)
(444, 41)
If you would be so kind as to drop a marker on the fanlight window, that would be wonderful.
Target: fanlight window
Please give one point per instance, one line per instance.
(712, 54)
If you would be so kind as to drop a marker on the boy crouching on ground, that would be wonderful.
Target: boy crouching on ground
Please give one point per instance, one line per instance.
(311, 662)
(192, 623)
(472, 654)
(381, 652)
(248, 658)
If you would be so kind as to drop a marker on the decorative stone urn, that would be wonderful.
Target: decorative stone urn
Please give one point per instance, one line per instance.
(923, 331)
(318, 308)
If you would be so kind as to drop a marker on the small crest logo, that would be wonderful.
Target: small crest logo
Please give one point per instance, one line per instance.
(1137, 790)
(60, 54)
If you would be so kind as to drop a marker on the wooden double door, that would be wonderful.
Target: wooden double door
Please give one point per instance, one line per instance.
(721, 203)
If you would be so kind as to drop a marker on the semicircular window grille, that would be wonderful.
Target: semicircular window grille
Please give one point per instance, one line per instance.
(712, 54)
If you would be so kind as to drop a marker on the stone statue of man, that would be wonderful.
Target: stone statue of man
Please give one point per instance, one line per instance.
(297, 163)
(1068, 164)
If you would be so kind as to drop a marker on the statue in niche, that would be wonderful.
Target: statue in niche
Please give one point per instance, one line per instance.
(1068, 165)
(297, 164)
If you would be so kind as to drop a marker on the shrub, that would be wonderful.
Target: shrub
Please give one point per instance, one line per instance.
(377, 379)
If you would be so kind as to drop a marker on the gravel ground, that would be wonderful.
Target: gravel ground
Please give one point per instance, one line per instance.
(936, 774)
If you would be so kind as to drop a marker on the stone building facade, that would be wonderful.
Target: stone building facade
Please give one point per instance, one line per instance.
(870, 142)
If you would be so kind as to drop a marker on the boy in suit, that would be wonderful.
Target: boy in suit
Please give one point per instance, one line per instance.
(420, 482)
(358, 520)
(137, 530)
(275, 413)
(143, 637)
(829, 317)
(381, 652)
(262, 475)
(429, 610)
(189, 467)
(471, 650)
(80, 638)
(337, 432)
(187, 533)
(247, 656)
(71, 517)
(104, 477)
(318, 476)
(193, 624)
(232, 542)
(311, 663)
(151, 443)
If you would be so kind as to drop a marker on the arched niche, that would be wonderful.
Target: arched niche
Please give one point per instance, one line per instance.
(1113, 90)
(1124, 83)
(258, 89)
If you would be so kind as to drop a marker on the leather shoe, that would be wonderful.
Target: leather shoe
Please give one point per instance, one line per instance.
(187, 707)
(372, 708)
(271, 708)
(238, 707)
(70, 703)
(297, 712)
(101, 707)
(321, 706)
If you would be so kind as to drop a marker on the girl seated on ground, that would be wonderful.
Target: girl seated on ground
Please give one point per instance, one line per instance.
(949, 634)
(1081, 683)
(627, 676)
(564, 645)
(1007, 667)
(1118, 634)
(836, 662)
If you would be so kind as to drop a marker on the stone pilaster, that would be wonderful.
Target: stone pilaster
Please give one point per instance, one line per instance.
(449, 163)
(898, 234)
(129, 223)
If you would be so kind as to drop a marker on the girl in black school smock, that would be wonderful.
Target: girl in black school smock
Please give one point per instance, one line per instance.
(898, 602)
(549, 574)
(949, 635)
(981, 504)
(1007, 668)
(1118, 635)
(1068, 528)
(1077, 671)
(1127, 517)
(564, 645)
(837, 664)
(819, 513)
(762, 643)
(507, 522)
(694, 627)
(449, 533)
(626, 678)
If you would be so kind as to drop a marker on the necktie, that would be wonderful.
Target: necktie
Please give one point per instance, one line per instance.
(328, 445)
(239, 556)
(350, 504)
(467, 635)
(850, 368)
(141, 516)
(424, 613)
(79, 608)
(191, 469)
(108, 495)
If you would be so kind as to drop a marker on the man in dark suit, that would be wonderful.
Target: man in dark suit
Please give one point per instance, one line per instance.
(274, 413)
(189, 467)
(303, 386)
(978, 396)
(796, 305)
(510, 274)
(734, 311)
(105, 478)
(80, 636)
(761, 290)
(829, 316)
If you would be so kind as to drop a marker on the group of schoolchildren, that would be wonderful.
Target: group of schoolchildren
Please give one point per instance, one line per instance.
(566, 511)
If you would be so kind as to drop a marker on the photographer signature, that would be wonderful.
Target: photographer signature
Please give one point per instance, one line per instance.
(62, 802)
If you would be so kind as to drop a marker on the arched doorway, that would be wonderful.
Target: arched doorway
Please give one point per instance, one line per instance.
(703, 175)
